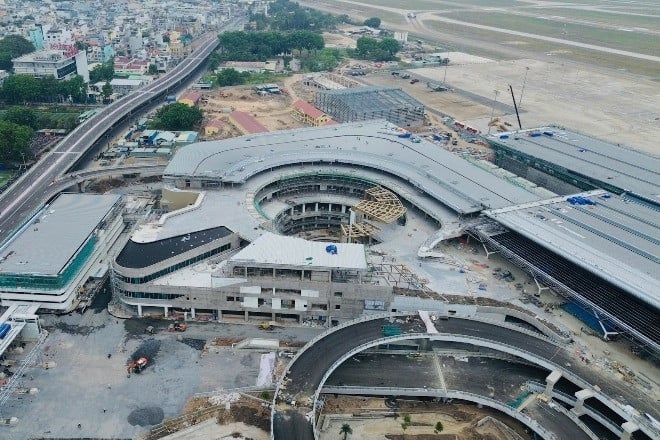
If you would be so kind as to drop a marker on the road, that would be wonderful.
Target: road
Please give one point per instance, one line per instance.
(30, 192)
(307, 371)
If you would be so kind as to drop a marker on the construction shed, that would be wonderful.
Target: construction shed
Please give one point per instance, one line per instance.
(365, 103)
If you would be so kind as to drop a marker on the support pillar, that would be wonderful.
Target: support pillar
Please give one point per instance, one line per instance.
(165, 311)
(551, 381)
(139, 310)
(192, 313)
(628, 429)
(219, 315)
(581, 396)
(247, 316)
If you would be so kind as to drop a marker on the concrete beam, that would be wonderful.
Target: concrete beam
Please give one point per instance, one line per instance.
(581, 396)
(551, 381)
(628, 429)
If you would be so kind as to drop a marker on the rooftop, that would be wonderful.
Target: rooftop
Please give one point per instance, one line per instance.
(612, 164)
(614, 238)
(53, 237)
(248, 122)
(375, 144)
(362, 99)
(308, 109)
(138, 255)
(273, 249)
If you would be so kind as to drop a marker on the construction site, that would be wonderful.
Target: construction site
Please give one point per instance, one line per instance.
(326, 219)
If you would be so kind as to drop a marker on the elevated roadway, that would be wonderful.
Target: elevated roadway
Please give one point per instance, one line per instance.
(309, 370)
(28, 193)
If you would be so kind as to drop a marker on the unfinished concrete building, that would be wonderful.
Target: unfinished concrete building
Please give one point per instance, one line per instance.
(365, 103)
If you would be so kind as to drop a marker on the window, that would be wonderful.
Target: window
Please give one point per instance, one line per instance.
(337, 307)
(231, 298)
(338, 294)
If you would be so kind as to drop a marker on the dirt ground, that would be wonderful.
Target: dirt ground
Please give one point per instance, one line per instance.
(367, 419)
(273, 111)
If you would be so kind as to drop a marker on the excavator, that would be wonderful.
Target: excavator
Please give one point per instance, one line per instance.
(137, 366)
(177, 327)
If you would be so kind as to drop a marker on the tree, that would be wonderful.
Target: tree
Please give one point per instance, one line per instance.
(438, 428)
(178, 117)
(373, 22)
(14, 141)
(22, 116)
(230, 77)
(102, 72)
(389, 45)
(13, 46)
(345, 430)
(406, 423)
(81, 45)
(106, 90)
(153, 69)
(19, 89)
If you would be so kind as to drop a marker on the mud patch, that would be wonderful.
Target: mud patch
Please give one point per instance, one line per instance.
(73, 329)
(102, 298)
(148, 349)
(151, 415)
(138, 326)
(197, 344)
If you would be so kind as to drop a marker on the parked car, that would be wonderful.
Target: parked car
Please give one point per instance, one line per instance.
(414, 81)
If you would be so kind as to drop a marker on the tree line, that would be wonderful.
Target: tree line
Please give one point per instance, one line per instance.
(22, 89)
(260, 46)
(285, 15)
(13, 46)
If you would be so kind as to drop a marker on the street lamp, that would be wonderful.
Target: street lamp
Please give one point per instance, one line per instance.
(444, 79)
(492, 112)
(523, 87)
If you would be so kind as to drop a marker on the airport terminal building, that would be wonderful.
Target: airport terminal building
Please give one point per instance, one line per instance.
(50, 258)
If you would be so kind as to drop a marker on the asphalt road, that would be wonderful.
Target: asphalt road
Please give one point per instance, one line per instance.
(30, 192)
(307, 371)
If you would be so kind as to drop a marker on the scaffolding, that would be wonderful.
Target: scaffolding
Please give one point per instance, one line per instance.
(381, 205)
(365, 103)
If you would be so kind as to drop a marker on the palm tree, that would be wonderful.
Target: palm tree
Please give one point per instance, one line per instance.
(346, 430)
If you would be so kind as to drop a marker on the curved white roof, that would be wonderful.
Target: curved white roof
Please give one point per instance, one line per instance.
(370, 144)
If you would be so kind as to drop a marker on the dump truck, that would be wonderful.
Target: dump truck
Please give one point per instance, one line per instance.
(137, 366)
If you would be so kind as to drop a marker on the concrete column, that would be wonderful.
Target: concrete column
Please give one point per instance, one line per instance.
(192, 313)
(140, 310)
(316, 207)
(343, 209)
(628, 429)
(219, 315)
(303, 208)
(166, 310)
(581, 396)
(551, 381)
(300, 319)
(247, 316)
(302, 274)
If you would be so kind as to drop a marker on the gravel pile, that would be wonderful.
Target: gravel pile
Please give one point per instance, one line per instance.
(197, 344)
(151, 415)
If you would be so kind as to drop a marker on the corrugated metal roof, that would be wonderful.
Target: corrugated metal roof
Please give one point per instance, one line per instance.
(457, 183)
(615, 238)
(248, 122)
(53, 237)
(620, 167)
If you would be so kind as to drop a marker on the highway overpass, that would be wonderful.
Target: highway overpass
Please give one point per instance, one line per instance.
(28, 194)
